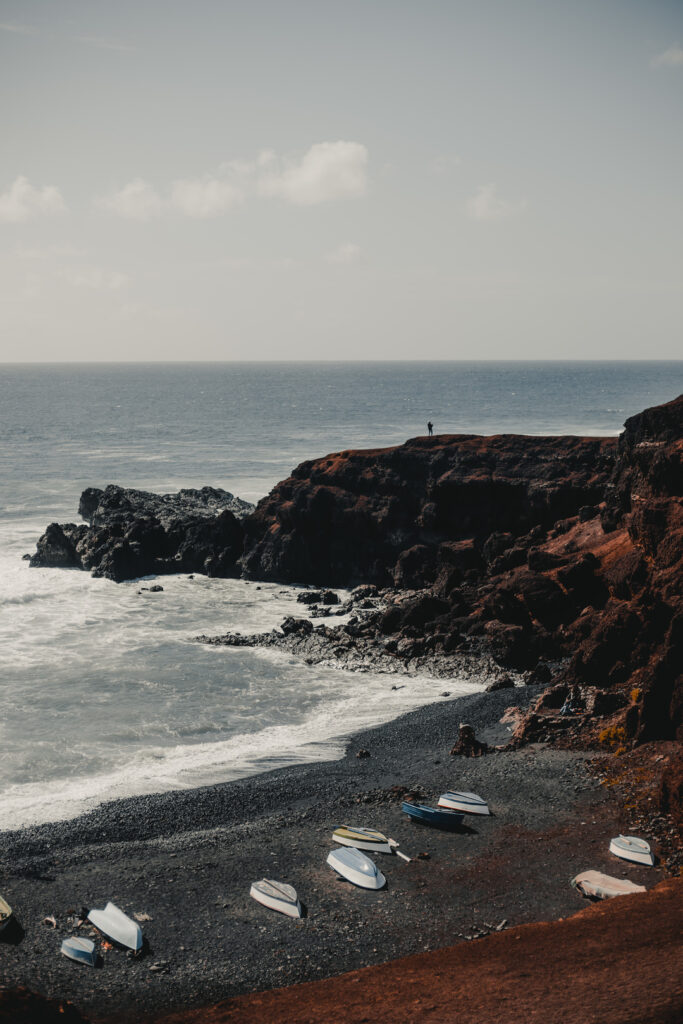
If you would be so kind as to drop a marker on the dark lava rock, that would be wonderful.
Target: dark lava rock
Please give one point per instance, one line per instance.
(501, 683)
(467, 744)
(134, 533)
(309, 597)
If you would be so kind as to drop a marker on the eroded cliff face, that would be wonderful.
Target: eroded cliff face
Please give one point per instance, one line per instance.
(401, 515)
(560, 556)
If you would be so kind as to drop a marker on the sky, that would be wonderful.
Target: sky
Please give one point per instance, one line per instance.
(372, 179)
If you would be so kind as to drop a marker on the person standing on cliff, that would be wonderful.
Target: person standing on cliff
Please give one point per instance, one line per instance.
(430, 428)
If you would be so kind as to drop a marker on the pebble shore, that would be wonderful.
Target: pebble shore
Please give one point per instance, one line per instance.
(185, 860)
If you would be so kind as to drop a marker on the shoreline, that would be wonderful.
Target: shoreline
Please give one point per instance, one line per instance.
(187, 858)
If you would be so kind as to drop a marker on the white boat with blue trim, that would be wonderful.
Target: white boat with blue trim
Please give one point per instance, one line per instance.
(468, 803)
(81, 950)
(632, 848)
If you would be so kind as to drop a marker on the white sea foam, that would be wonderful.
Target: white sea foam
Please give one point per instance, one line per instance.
(368, 701)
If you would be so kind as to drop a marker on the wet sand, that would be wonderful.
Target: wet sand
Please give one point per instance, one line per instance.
(187, 859)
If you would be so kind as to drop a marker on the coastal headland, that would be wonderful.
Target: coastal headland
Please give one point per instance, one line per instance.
(554, 562)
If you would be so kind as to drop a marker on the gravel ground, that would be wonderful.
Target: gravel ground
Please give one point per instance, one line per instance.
(186, 859)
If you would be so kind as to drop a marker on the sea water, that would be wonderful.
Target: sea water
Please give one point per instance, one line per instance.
(103, 694)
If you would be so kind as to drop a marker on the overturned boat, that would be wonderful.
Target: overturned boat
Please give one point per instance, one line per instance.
(355, 867)
(631, 848)
(468, 803)
(364, 839)
(81, 950)
(602, 887)
(276, 896)
(116, 925)
(436, 816)
(5, 913)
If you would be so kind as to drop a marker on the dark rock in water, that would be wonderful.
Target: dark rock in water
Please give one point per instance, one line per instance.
(309, 597)
(57, 548)
(133, 533)
(329, 597)
(293, 625)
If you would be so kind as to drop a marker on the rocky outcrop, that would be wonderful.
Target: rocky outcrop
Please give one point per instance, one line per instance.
(559, 557)
(133, 533)
(432, 507)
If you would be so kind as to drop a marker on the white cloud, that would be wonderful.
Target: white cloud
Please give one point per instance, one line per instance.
(487, 205)
(135, 201)
(328, 171)
(204, 197)
(22, 201)
(347, 252)
(671, 58)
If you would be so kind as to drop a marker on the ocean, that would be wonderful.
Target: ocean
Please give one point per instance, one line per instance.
(102, 692)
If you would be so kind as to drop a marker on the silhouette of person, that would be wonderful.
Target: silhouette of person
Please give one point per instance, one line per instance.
(430, 428)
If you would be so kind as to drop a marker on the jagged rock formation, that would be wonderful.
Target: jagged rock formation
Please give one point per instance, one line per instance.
(559, 556)
(133, 533)
(432, 506)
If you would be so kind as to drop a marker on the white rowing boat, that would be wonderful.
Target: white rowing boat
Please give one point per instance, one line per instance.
(631, 848)
(603, 887)
(367, 839)
(116, 925)
(276, 896)
(355, 867)
(468, 803)
(81, 950)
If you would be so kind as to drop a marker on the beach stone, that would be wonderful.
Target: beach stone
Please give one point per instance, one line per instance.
(468, 745)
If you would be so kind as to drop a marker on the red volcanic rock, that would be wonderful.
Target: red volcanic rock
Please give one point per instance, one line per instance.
(372, 516)
(616, 961)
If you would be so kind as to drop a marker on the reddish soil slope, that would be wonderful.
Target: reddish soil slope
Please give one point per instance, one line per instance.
(612, 963)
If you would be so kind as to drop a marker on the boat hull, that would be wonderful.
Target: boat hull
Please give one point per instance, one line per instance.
(630, 848)
(603, 887)
(359, 870)
(375, 842)
(116, 925)
(434, 816)
(284, 901)
(5, 913)
(467, 803)
(81, 950)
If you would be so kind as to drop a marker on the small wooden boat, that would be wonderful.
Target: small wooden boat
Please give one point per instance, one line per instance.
(363, 839)
(116, 925)
(355, 867)
(367, 839)
(81, 950)
(5, 913)
(436, 816)
(468, 803)
(276, 896)
(630, 848)
(602, 887)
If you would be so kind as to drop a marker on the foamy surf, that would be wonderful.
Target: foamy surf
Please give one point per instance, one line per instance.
(370, 701)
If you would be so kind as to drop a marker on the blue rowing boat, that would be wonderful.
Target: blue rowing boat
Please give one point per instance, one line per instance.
(436, 816)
